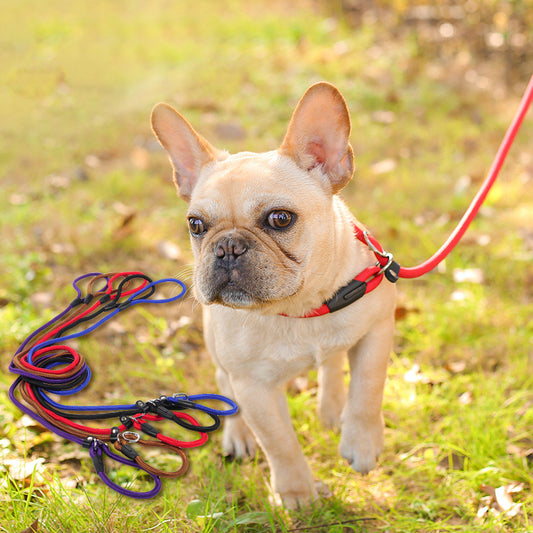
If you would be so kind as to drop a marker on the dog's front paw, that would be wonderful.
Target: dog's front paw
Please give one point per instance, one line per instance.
(296, 497)
(238, 442)
(361, 444)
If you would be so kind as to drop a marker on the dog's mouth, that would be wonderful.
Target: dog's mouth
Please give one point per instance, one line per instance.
(231, 289)
(238, 271)
(233, 296)
(241, 294)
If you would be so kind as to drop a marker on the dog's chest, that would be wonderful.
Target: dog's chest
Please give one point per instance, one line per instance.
(274, 348)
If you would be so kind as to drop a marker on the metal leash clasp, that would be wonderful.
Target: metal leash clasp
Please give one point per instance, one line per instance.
(391, 269)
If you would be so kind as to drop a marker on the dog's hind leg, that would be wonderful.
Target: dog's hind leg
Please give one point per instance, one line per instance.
(331, 390)
(238, 442)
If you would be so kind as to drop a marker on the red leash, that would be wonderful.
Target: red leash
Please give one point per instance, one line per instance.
(477, 202)
(371, 277)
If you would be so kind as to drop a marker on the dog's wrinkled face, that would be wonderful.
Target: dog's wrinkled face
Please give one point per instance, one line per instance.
(258, 220)
(250, 229)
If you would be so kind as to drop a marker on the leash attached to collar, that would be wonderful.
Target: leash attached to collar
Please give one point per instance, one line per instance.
(45, 364)
(385, 266)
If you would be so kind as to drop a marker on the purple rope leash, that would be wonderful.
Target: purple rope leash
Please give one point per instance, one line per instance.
(96, 448)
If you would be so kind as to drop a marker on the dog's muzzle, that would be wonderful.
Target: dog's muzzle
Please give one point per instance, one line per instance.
(229, 281)
(229, 250)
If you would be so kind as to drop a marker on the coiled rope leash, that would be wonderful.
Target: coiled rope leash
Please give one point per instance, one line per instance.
(45, 364)
(371, 277)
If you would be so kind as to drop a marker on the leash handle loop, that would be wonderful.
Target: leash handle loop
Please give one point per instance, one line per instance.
(193, 399)
(141, 423)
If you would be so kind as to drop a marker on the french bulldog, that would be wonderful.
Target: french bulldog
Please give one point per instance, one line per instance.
(272, 240)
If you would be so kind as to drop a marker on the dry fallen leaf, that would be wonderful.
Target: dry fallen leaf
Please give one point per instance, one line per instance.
(57, 182)
(460, 296)
(499, 500)
(468, 275)
(462, 184)
(140, 157)
(125, 226)
(455, 367)
(42, 299)
(415, 375)
(383, 116)
(465, 398)
(93, 161)
(401, 312)
(126, 221)
(230, 131)
(33, 528)
(453, 461)
(63, 248)
(169, 250)
(299, 385)
(27, 421)
(521, 448)
(21, 469)
(384, 166)
(18, 199)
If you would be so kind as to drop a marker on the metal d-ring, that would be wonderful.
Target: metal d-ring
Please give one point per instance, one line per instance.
(386, 255)
(180, 396)
(130, 436)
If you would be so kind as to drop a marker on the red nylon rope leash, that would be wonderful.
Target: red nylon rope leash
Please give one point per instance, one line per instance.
(371, 277)
(475, 205)
(477, 202)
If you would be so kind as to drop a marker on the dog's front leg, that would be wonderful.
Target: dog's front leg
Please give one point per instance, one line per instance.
(265, 410)
(362, 419)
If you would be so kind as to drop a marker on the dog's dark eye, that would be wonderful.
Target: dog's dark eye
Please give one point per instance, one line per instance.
(196, 226)
(280, 219)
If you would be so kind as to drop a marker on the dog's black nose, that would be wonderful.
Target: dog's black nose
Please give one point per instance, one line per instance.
(230, 248)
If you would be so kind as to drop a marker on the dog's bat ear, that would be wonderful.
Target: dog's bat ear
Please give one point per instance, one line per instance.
(187, 149)
(318, 134)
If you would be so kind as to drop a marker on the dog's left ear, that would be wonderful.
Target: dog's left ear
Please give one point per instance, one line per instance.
(319, 132)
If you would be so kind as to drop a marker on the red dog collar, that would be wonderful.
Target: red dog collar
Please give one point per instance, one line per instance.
(365, 281)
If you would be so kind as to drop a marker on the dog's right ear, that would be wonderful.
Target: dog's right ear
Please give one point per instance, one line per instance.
(319, 134)
(188, 150)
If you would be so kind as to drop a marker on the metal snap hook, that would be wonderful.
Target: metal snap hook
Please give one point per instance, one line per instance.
(385, 255)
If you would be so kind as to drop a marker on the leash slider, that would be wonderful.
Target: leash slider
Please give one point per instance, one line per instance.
(346, 295)
(87, 442)
(129, 452)
(149, 430)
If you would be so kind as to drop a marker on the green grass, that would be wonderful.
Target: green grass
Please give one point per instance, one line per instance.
(77, 84)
